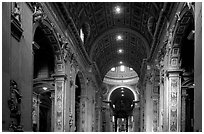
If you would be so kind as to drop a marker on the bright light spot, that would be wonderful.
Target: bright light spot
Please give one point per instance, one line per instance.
(81, 35)
(119, 37)
(122, 88)
(148, 67)
(122, 119)
(131, 69)
(117, 10)
(113, 69)
(113, 106)
(122, 91)
(113, 119)
(44, 88)
(122, 94)
(122, 68)
(121, 62)
(120, 51)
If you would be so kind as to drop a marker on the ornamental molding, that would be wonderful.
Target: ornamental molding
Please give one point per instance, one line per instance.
(38, 14)
(16, 26)
(74, 33)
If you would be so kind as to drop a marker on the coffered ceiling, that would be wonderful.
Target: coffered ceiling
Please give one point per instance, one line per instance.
(134, 21)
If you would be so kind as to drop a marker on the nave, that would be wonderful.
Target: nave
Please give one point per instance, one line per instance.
(102, 66)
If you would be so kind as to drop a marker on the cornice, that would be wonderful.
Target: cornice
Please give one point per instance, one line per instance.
(75, 36)
(70, 31)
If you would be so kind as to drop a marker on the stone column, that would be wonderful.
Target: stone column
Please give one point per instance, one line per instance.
(72, 108)
(59, 102)
(108, 119)
(70, 99)
(148, 100)
(155, 114)
(155, 99)
(97, 125)
(53, 111)
(136, 119)
(183, 110)
(83, 116)
(36, 106)
(111, 121)
(198, 68)
(174, 100)
(161, 100)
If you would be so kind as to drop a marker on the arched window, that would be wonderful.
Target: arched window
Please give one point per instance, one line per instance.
(82, 35)
(84, 32)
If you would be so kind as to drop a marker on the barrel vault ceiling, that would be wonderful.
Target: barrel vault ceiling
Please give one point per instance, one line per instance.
(134, 22)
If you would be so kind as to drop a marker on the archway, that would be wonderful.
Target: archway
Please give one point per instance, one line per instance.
(122, 102)
(187, 53)
(183, 55)
(43, 82)
(135, 93)
(79, 103)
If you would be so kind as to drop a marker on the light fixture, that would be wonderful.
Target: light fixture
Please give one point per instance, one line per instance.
(44, 88)
(113, 118)
(113, 69)
(122, 88)
(122, 91)
(122, 68)
(120, 51)
(119, 37)
(117, 9)
(122, 95)
(121, 62)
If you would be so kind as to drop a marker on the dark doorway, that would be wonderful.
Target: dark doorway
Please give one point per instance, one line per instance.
(77, 103)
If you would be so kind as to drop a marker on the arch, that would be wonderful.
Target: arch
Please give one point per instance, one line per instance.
(80, 92)
(130, 88)
(85, 27)
(82, 81)
(40, 84)
(50, 34)
(95, 43)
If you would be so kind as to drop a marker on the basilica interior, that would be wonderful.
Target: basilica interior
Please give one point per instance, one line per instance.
(101, 66)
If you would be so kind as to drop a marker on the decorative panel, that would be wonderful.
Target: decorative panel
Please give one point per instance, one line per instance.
(155, 115)
(59, 85)
(173, 104)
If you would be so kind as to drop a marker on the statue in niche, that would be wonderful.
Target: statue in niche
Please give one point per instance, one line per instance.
(65, 50)
(38, 12)
(170, 39)
(14, 107)
(16, 11)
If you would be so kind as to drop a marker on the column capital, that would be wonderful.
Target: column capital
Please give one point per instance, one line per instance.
(59, 76)
(172, 72)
